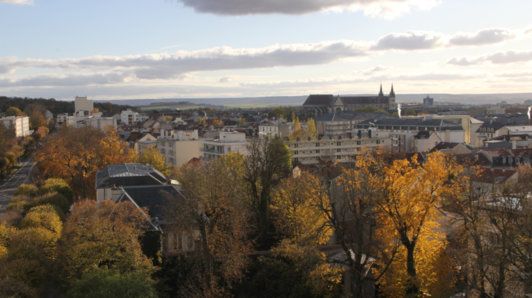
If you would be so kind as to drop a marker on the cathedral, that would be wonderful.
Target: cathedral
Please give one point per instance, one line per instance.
(325, 103)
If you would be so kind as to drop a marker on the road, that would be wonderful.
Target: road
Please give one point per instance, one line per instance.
(9, 185)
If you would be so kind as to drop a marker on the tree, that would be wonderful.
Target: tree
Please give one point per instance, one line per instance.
(297, 131)
(10, 150)
(103, 235)
(75, 154)
(409, 213)
(297, 210)
(105, 283)
(31, 251)
(353, 214)
(312, 130)
(492, 237)
(43, 216)
(14, 111)
(153, 157)
(268, 162)
(217, 207)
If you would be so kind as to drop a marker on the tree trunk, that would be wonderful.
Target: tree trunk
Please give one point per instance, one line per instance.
(412, 288)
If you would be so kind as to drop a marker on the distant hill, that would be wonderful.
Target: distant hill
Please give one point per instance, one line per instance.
(249, 102)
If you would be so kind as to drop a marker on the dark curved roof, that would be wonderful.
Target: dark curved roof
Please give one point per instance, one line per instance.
(128, 174)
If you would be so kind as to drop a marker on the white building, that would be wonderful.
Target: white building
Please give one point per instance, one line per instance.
(268, 129)
(513, 130)
(177, 147)
(338, 148)
(20, 124)
(83, 106)
(223, 143)
(129, 117)
(427, 140)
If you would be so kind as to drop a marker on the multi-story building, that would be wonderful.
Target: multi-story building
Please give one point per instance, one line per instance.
(224, 142)
(338, 148)
(403, 131)
(83, 106)
(268, 129)
(129, 117)
(177, 146)
(19, 124)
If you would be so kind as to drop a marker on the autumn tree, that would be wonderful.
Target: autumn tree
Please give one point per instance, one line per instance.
(353, 215)
(10, 150)
(103, 235)
(493, 236)
(268, 162)
(26, 268)
(297, 130)
(217, 207)
(76, 154)
(297, 210)
(312, 130)
(153, 157)
(410, 216)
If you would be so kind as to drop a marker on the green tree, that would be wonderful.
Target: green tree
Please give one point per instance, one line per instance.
(266, 165)
(103, 235)
(104, 283)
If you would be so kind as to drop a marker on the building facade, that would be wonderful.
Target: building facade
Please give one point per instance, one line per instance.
(19, 124)
(224, 142)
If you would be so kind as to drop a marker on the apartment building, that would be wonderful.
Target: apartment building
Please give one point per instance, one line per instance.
(224, 142)
(338, 148)
(177, 146)
(20, 124)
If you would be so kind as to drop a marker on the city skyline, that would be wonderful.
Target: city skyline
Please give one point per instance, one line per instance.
(156, 49)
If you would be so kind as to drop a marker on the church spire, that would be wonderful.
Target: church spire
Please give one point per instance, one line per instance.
(380, 92)
(392, 93)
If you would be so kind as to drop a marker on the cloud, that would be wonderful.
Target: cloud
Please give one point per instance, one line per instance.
(509, 57)
(17, 2)
(487, 36)
(408, 41)
(164, 66)
(72, 80)
(375, 8)
(497, 58)
(463, 61)
(224, 80)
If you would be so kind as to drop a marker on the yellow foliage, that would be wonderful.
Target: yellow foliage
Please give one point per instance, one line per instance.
(153, 157)
(297, 206)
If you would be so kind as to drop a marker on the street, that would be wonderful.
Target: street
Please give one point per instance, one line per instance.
(9, 185)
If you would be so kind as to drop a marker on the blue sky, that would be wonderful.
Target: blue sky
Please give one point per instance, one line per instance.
(218, 48)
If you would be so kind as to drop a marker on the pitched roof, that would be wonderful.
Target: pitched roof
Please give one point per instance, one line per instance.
(319, 100)
(156, 198)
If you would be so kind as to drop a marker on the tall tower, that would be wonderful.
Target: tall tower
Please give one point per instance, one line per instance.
(380, 92)
(391, 100)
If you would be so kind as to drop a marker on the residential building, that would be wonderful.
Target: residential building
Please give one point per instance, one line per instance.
(224, 142)
(177, 146)
(83, 106)
(404, 132)
(268, 129)
(19, 124)
(337, 148)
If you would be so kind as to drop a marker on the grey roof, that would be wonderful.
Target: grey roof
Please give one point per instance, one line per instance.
(348, 116)
(354, 100)
(319, 100)
(156, 198)
(129, 174)
(412, 122)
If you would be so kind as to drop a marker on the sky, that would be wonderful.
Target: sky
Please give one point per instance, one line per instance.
(126, 49)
